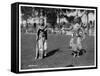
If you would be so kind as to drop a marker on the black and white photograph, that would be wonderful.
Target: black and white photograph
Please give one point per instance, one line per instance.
(56, 37)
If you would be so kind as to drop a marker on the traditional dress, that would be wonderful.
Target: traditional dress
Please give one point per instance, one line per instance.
(41, 40)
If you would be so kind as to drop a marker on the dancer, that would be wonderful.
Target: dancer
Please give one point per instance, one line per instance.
(41, 46)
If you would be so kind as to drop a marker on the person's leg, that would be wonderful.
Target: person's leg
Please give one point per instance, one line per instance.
(74, 47)
(79, 45)
(45, 47)
(41, 48)
(37, 50)
(41, 53)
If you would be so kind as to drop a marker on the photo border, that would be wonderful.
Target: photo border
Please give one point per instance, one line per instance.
(55, 69)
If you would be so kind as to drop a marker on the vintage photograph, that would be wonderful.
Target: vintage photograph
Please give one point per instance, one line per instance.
(54, 37)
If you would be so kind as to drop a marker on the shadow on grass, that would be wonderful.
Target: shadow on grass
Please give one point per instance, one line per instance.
(70, 65)
(52, 52)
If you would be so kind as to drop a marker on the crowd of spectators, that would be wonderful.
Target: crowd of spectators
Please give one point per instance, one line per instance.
(57, 20)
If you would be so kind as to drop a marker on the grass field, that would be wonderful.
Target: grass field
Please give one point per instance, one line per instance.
(58, 54)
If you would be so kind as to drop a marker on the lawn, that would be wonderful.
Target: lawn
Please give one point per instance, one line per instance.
(58, 53)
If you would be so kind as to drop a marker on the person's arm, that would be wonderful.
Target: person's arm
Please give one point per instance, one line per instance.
(45, 28)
